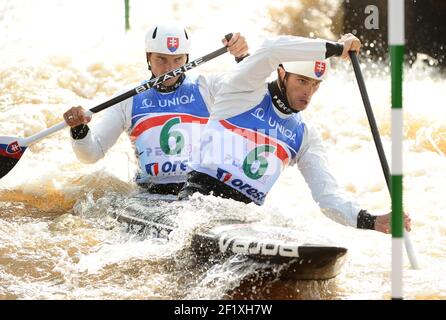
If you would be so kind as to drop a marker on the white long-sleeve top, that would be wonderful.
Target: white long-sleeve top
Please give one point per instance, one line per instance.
(245, 86)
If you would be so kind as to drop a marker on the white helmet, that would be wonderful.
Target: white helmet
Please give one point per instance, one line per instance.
(313, 69)
(167, 39)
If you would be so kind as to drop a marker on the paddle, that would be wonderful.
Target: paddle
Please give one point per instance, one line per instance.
(13, 148)
(379, 147)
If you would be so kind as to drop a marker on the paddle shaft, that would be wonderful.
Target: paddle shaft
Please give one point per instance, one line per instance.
(379, 147)
(371, 118)
(144, 87)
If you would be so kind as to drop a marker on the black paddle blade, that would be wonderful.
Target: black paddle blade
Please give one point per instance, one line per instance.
(10, 154)
(6, 165)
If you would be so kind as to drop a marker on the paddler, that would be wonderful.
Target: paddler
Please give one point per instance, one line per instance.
(256, 130)
(164, 122)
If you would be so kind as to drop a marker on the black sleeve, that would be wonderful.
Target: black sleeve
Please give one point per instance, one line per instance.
(366, 220)
(79, 132)
(240, 59)
(333, 49)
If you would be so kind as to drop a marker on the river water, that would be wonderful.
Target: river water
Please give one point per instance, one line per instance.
(57, 240)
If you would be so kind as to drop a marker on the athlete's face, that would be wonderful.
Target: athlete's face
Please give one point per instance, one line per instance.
(299, 89)
(162, 63)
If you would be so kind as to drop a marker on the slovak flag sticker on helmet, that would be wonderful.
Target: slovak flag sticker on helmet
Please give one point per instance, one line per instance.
(173, 43)
(319, 68)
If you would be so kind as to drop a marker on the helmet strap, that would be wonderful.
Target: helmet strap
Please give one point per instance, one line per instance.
(148, 63)
(160, 87)
(277, 90)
